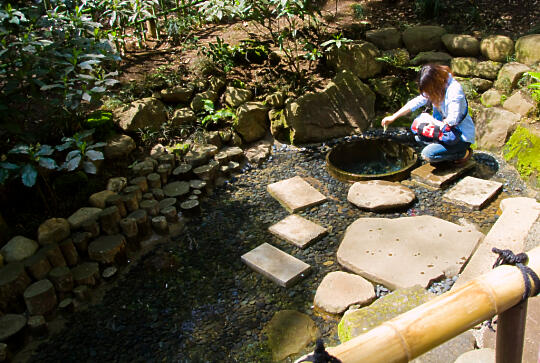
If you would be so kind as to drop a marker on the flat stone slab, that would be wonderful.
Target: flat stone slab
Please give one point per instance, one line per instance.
(275, 264)
(295, 194)
(297, 230)
(339, 290)
(440, 176)
(473, 192)
(408, 251)
(510, 231)
(378, 195)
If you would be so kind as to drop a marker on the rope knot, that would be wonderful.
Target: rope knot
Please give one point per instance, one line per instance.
(507, 257)
(320, 355)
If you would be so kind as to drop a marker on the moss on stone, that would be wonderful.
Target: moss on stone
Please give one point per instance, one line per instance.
(523, 150)
(360, 321)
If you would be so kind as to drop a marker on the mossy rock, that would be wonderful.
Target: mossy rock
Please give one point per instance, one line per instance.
(356, 322)
(522, 149)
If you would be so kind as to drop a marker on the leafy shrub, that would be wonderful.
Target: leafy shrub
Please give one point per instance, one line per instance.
(213, 117)
(102, 122)
(84, 152)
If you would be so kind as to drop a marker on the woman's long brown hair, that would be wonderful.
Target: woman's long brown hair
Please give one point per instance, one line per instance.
(432, 82)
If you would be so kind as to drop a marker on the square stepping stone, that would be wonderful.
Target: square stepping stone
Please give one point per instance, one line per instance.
(297, 230)
(473, 192)
(295, 194)
(440, 176)
(278, 266)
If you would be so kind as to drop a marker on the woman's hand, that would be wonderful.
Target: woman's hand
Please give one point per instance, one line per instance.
(387, 121)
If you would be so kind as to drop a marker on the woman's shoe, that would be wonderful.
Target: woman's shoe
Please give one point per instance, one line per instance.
(463, 160)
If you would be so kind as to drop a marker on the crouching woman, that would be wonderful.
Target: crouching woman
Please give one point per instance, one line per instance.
(450, 112)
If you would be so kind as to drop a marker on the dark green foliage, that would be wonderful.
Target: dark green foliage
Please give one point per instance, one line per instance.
(101, 122)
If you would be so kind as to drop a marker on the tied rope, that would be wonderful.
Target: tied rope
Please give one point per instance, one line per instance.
(507, 257)
(320, 355)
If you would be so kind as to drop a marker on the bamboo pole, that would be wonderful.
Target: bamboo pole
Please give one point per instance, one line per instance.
(446, 316)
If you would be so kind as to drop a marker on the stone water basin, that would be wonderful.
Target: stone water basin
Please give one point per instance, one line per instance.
(367, 159)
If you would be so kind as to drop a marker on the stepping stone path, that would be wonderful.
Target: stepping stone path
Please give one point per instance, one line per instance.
(403, 252)
(295, 194)
(472, 192)
(297, 230)
(378, 195)
(439, 177)
(339, 290)
(275, 264)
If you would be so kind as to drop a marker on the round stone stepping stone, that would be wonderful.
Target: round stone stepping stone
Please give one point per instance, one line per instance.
(406, 251)
(107, 249)
(339, 290)
(289, 332)
(176, 189)
(378, 195)
(10, 326)
(86, 274)
(40, 297)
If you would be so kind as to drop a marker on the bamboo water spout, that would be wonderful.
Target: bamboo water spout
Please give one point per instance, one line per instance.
(446, 316)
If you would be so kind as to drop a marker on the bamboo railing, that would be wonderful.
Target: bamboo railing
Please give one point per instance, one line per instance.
(417, 331)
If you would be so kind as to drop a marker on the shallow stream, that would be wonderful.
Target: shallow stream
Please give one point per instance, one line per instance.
(193, 300)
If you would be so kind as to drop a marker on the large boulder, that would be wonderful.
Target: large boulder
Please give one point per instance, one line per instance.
(481, 85)
(183, 116)
(494, 126)
(431, 57)
(18, 248)
(147, 112)
(344, 106)
(119, 147)
(423, 38)
(359, 321)
(521, 103)
(386, 87)
(461, 45)
(509, 76)
(251, 121)
(491, 98)
(522, 150)
(464, 66)
(488, 69)
(528, 49)
(384, 38)
(497, 47)
(53, 230)
(234, 97)
(358, 58)
(177, 94)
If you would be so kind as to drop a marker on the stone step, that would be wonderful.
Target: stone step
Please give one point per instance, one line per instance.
(295, 194)
(439, 177)
(278, 266)
(472, 192)
(297, 230)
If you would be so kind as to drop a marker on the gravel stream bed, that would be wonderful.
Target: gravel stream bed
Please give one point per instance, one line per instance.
(193, 300)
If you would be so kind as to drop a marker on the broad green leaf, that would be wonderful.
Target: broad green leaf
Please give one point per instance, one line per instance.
(73, 163)
(29, 175)
(98, 89)
(86, 97)
(94, 155)
(45, 150)
(89, 167)
(68, 142)
(20, 149)
(96, 145)
(50, 86)
(48, 163)
(73, 154)
(89, 64)
(8, 166)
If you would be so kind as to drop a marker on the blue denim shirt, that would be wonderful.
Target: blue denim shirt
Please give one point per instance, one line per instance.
(451, 111)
